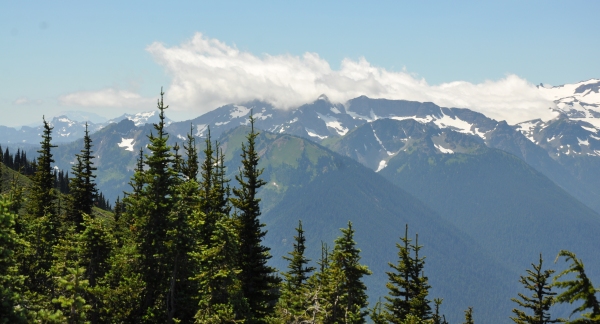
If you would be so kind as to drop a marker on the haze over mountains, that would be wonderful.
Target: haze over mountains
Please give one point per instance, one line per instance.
(486, 197)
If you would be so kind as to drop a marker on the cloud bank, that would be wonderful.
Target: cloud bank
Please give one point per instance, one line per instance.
(207, 73)
(106, 98)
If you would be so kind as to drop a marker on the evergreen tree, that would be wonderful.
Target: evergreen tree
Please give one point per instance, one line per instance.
(469, 316)
(154, 205)
(42, 196)
(11, 282)
(42, 226)
(541, 300)
(190, 166)
(96, 247)
(70, 285)
(408, 288)
(257, 278)
(437, 318)
(83, 187)
(578, 289)
(293, 302)
(349, 297)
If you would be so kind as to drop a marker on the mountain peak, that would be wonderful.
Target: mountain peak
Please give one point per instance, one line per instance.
(323, 97)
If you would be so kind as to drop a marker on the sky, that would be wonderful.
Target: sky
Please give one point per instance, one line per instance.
(113, 57)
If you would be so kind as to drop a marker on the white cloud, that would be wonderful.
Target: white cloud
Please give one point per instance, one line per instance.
(106, 98)
(24, 101)
(207, 73)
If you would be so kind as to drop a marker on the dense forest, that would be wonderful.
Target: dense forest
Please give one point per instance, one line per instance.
(185, 245)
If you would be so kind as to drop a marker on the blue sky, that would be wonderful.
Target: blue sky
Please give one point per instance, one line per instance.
(112, 57)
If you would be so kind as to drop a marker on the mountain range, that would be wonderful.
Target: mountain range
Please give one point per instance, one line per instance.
(485, 197)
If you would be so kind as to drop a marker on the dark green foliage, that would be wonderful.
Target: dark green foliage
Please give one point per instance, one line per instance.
(542, 297)
(437, 318)
(293, 302)
(18, 162)
(348, 294)
(257, 278)
(42, 195)
(190, 166)
(469, 316)
(150, 212)
(42, 226)
(408, 288)
(579, 289)
(83, 186)
(11, 282)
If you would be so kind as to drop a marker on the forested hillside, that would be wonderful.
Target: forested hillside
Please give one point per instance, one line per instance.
(188, 243)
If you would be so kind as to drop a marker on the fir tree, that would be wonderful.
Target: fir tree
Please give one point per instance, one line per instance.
(190, 166)
(578, 289)
(540, 301)
(42, 226)
(349, 297)
(408, 288)
(257, 278)
(293, 302)
(437, 318)
(83, 187)
(157, 198)
(469, 316)
(11, 282)
(42, 195)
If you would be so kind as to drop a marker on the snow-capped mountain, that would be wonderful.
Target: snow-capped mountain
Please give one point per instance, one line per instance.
(68, 128)
(140, 119)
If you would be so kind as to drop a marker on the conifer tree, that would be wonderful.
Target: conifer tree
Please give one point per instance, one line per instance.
(11, 282)
(154, 205)
(257, 278)
(293, 303)
(190, 166)
(542, 297)
(408, 288)
(349, 298)
(469, 316)
(82, 186)
(70, 285)
(96, 247)
(437, 318)
(578, 289)
(42, 228)
(42, 195)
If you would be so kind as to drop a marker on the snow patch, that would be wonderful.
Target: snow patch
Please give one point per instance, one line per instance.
(454, 123)
(332, 122)
(586, 142)
(127, 143)
(382, 165)
(589, 129)
(313, 134)
(239, 111)
(443, 150)
(335, 110)
(200, 130)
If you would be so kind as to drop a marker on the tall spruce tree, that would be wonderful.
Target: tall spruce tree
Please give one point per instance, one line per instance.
(578, 289)
(537, 281)
(349, 297)
(42, 226)
(258, 280)
(151, 212)
(408, 287)
(469, 316)
(83, 187)
(11, 281)
(42, 195)
(190, 166)
(293, 303)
